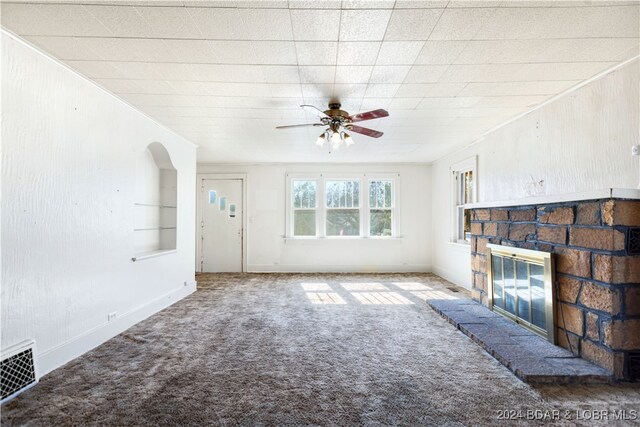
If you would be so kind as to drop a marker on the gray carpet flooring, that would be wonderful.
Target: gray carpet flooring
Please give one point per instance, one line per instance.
(294, 349)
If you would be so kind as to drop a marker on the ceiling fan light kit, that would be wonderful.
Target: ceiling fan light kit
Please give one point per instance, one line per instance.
(337, 121)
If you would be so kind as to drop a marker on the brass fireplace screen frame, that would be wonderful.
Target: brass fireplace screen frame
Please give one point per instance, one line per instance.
(528, 257)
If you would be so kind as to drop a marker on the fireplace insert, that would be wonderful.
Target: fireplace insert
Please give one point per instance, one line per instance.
(520, 287)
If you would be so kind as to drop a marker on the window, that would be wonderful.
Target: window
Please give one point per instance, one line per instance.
(304, 194)
(343, 208)
(341, 205)
(464, 186)
(381, 208)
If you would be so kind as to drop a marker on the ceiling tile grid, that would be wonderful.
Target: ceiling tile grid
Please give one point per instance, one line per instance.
(225, 73)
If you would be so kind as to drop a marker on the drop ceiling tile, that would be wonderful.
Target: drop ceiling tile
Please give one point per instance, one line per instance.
(589, 49)
(315, 24)
(274, 53)
(363, 25)
(353, 73)
(51, 20)
(562, 71)
(460, 24)
(122, 21)
(478, 3)
(155, 86)
(404, 103)
(399, 53)
(315, 4)
(65, 47)
(96, 69)
(448, 102)
(421, 4)
(482, 73)
(381, 90)
(266, 24)
(426, 73)
(389, 73)
(281, 73)
(119, 86)
(446, 89)
(192, 51)
(170, 22)
(217, 23)
(414, 90)
(367, 4)
(342, 91)
(440, 52)
(138, 70)
(227, 73)
(324, 90)
(412, 24)
(516, 88)
(571, 22)
(502, 51)
(317, 53)
(512, 101)
(288, 90)
(358, 53)
(317, 74)
(169, 70)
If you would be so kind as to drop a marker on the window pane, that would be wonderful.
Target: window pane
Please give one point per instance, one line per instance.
(304, 222)
(537, 296)
(343, 194)
(380, 222)
(304, 194)
(380, 194)
(343, 222)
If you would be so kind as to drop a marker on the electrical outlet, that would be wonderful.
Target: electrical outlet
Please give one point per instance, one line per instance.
(112, 315)
(635, 150)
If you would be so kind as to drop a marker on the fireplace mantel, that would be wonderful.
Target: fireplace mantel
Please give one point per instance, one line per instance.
(605, 193)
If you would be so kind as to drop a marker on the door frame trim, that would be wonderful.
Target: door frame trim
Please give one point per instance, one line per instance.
(200, 177)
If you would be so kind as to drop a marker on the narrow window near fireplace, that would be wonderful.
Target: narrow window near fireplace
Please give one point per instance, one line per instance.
(521, 288)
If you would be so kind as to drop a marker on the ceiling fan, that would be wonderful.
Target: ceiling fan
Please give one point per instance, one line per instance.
(338, 121)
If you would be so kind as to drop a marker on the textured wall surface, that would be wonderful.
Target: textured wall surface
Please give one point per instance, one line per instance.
(68, 194)
(579, 142)
(268, 250)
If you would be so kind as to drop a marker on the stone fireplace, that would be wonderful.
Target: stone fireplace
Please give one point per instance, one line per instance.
(595, 242)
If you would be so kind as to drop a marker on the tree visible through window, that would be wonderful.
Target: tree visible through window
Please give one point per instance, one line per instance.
(464, 180)
(343, 208)
(304, 194)
(380, 208)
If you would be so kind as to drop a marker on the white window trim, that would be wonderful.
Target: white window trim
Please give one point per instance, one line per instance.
(469, 164)
(364, 179)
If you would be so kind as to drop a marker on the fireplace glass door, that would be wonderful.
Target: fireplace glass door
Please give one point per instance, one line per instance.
(520, 287)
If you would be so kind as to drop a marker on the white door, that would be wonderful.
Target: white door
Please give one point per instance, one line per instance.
(221, 226)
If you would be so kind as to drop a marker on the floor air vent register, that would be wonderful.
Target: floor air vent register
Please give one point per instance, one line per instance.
(18, 371)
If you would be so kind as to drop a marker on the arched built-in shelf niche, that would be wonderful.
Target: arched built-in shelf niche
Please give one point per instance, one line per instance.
(155, 222)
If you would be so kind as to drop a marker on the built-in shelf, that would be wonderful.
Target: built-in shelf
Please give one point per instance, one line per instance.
(155, 207)
(153, 254)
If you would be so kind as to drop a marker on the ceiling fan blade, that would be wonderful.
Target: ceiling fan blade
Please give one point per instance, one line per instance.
(365, 131)
(301, 125)
(369, 115)
(322, 114)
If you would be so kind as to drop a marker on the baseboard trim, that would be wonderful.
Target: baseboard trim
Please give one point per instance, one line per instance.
(63, 353)
(266, 268)
(448, 276)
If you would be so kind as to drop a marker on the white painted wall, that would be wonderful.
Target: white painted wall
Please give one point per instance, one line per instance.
(579, 142)
(69, 175)
(267, 250)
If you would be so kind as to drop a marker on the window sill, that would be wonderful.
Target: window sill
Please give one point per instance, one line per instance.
(153, 254)
(460, 246)
(288, 240)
